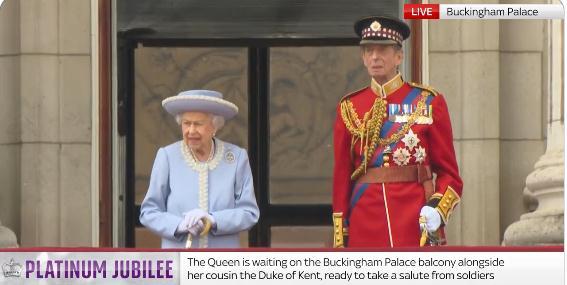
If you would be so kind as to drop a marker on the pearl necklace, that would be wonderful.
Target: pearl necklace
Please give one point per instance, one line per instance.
(211, 153)
(203, 169)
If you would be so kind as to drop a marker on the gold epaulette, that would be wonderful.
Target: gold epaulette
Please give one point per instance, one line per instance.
(348, 114)
(424, 87)
(352, 93)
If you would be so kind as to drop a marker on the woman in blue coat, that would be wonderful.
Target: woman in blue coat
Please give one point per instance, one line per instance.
(201, 192)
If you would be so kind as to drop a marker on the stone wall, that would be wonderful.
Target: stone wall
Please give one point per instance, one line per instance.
(10, 140)
(46, 123)
(493, 74)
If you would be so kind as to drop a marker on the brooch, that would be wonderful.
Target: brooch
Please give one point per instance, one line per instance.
(229, 157)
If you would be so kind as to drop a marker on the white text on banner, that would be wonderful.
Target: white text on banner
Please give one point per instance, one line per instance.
(483, 11)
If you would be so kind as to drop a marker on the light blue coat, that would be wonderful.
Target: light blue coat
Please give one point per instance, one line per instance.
(174, 190)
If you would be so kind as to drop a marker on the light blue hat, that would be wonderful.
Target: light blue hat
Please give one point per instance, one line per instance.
(206, 101)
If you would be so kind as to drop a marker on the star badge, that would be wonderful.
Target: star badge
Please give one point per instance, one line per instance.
(401, 156)
(410, 140)
(419, 154)
(375, 26)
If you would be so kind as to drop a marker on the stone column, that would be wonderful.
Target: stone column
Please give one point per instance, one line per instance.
(55, 123)
(464, 65)
(7, 237)
(10, 145)
(544, 185)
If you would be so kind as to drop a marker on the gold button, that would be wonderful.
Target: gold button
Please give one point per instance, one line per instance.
(386, 164)
(386, 158)
(450, 196)
(445, 205)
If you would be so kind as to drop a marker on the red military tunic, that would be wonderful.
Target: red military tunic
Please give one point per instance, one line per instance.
(387, 214)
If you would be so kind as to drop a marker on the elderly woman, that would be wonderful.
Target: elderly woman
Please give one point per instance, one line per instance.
(200, 193)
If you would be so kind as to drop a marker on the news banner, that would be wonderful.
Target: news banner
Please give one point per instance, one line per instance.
(483, 11)
(446, 265)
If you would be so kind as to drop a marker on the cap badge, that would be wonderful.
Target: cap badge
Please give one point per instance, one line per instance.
(375, 26)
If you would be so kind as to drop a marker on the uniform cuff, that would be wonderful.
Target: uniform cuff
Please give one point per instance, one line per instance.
(339, 231)
(447, 203)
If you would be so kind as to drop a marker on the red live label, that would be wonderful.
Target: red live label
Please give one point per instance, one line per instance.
(421, 11)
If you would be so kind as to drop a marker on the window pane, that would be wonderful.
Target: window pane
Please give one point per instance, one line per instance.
(164, 72)
(305, 86)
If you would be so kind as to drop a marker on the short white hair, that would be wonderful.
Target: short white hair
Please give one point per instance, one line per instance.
(218, 121)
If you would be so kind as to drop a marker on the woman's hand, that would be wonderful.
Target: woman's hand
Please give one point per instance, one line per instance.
(197, 228)
(194, 216)
(192, 222)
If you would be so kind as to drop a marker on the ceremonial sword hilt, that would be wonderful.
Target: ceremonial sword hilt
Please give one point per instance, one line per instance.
(424, 234)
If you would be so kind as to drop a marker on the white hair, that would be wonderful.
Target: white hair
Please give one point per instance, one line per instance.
(218, 121)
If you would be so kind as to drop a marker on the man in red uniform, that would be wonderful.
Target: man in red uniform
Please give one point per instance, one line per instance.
(389, 138)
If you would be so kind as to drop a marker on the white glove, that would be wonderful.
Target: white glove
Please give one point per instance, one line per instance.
(191, 222)
(195, 215)
(183, 227)
(432, 219)
(197, 228)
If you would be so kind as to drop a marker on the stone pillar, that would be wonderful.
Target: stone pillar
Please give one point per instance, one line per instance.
(55, 123)
(464, 66)
(523, 87)
(544, 226)
(10, 145)
(7, 237)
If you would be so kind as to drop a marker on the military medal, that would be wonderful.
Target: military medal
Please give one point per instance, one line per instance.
(419, 154)
(400, 113)
(401, 156)
(410, 140)
(392, 112)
